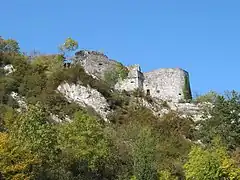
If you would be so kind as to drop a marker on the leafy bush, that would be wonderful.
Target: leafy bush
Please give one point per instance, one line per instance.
(111, 77)
(9, 46)
(222, 120)
(120, 72)
(209, 97)
(212, 163)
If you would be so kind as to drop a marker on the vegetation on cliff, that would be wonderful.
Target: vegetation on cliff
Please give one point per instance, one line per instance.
(134, 145)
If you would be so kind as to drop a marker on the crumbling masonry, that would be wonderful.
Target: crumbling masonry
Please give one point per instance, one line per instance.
(170, 84)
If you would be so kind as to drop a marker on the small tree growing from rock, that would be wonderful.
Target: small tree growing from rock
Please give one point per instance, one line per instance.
(9, 46)
(68, 46)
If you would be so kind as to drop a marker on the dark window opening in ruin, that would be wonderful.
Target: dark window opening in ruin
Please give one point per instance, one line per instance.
(158, 91)
(148, 92)
(132, 81)
(67, 65)
(100, 64)
(179, 94)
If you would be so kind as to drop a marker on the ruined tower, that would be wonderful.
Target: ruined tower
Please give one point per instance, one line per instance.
(170, 84)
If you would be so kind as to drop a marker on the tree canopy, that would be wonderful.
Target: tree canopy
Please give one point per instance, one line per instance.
(68, 46)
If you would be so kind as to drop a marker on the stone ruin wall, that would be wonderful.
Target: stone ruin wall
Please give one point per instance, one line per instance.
(166, 84)
(133, 81)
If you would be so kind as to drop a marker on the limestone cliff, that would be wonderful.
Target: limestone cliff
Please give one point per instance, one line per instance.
(85, 96)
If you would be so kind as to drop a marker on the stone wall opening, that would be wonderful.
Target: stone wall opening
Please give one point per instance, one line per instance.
(148, 92)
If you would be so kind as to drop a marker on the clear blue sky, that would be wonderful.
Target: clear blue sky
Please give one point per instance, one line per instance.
(200, 36)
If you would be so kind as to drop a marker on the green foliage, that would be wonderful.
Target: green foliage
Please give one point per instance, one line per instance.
(120, 72)
(84, 140)
(133, 178)
(111, 77)
(138, 93)
(37, 82)
(213, 163)
(68, 46)
(144, 156)
(222, 120)
(31, 142)
(166, 175)
(33, 129)
(165, 138)
(209, 97)
(51, 63)
(202, 165)
(9, 46)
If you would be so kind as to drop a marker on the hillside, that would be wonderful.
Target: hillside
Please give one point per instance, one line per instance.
(91, 117)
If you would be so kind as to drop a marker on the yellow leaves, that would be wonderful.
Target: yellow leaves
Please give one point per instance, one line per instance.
(166, 175)
(22, 164)
(211, 163)
(3, 141)
(230, 169)
(15, 162)
(20, 177)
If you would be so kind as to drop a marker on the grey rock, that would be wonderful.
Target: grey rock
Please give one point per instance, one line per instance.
(8, 69)
(85, 96)
(94, 63)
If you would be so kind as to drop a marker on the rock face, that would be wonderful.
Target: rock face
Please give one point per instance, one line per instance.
(20, 100)
(8, 69)
(85, 96)
(95, 63)
(160, 108)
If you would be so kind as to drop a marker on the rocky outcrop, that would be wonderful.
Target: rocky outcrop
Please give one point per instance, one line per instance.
(8, 69)
(160, 108)
(23, 106)
(95, 63)
(20, 100)
(85, 96)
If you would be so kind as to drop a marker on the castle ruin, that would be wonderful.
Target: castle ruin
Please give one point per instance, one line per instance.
(170, 84)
